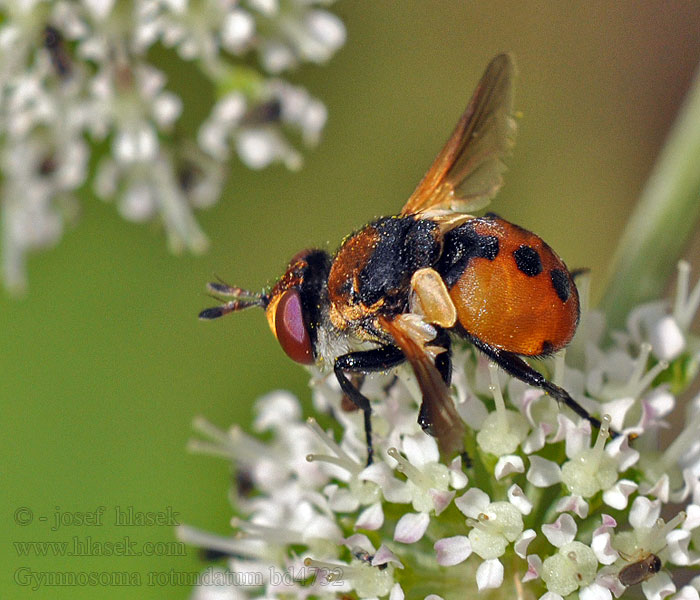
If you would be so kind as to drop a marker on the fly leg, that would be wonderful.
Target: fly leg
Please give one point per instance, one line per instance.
(367, 361)
(517, 367)
(443, 363)
(347, 405)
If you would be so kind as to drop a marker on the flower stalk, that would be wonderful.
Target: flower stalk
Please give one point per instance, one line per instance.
(664, 218)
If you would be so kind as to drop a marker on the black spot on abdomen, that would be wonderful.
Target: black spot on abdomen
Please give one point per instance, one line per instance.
(528, 260)
(560, 283)
(547, 348)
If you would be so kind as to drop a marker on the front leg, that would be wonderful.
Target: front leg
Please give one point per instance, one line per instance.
(367, 361)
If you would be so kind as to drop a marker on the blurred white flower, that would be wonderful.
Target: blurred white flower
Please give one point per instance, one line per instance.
(78, 77)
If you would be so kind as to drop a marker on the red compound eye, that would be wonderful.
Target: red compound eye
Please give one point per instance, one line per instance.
(290, 328)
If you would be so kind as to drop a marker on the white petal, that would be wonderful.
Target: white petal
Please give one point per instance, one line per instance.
(617, 409)
(257, 148)
(441, 500)
(473, 502)
(644, 512)
(620, 450)
(564, 424)
(396, 592)
(608, 521)
(678, 541)
(508, 464)
(148, 143)
(145, 35)
(359, 540)
(658, 587)
(420, 449)
(575, 504)
(687, 592)
(433, 597)
(550, 596)
(411, 527)
(523, 542)
(458, 478)
(667, 339)
(661, 401)
(660, 489)
(393, 489)
(266, 7)
(321, 528)
(535, 441)
(534, 566)
(489, 574)
(372, 518)
(327, 28)
(601, 545)
(276, 57)
(562, 531)
(617, 495)
(213, 139)
(136, 145)
(517, 498)
(543, 472)
(608, 578)
(230, 109)
(124, 147)
(577, 437)
(313, 120)
(384, 556)
(237, 30)
(595, 592)
(166, 109)
(99, 8)
(453, 550)
(473, 411)
(150, 81)
(690, 481)
(341, 500)
(276, 410)
(692, 518)
(138, 203)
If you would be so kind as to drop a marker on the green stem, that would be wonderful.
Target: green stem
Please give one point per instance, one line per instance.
(663, 220)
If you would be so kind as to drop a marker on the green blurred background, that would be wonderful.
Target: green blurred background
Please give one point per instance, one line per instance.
(104, 364)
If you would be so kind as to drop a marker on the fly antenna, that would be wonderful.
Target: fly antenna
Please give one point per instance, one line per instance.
(240, 299)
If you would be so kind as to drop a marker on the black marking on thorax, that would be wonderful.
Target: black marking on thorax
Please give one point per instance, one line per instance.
(405, 245)
(460, 246)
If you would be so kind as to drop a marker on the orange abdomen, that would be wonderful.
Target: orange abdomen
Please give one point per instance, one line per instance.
(510, 289)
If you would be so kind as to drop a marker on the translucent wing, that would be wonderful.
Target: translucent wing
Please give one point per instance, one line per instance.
(468, 171)
(437, 413)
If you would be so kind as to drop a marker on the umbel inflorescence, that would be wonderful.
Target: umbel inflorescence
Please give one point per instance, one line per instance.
(544, 507)
(85, 102)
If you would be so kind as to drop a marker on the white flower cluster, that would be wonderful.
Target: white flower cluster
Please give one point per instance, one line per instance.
(77, 76)
(541, 510)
